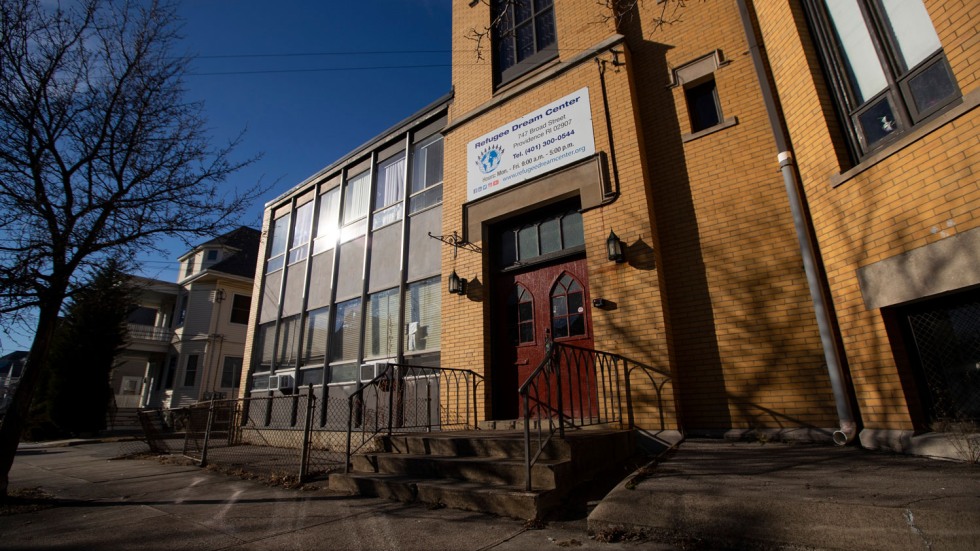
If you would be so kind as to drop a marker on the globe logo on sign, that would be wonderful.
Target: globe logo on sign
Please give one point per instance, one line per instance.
(490, 159)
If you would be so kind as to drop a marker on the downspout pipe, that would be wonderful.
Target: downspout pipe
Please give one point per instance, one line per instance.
(821, 303)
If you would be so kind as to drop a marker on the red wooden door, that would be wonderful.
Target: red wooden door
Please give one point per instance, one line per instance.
(530, 306)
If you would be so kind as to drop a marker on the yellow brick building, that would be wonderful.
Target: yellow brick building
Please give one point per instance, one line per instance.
(791, 183)
(685, 172)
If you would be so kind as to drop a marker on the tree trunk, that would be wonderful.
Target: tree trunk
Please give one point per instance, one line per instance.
(13, 421)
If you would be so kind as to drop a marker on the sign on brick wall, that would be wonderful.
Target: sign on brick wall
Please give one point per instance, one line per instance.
(541, 141)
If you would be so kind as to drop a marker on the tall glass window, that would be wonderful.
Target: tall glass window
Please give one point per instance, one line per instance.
(327, 229)
(885, 64)
(345, 339)
(288, 342)
(523, 36)
(266, 346)
(315, 337)
(277, 250)
(423, 303)
(388, 194)
(381, 331)
(426, 187)
(357, 195)
(299, 247)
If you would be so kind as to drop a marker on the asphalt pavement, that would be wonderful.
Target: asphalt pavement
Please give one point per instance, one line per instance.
(96, 502)
(706, 495)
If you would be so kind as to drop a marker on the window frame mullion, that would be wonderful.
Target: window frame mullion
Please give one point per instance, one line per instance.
(885, 49)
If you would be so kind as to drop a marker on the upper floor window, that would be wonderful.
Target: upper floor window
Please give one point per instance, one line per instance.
(426, 174)
(327, 229)
(240, 305)
(357, 194)
(523, 36)
(388, 195)
(277, 251)
(703, 106)
(211, 255)
(886, 66)
(301, 233)
(182, 311)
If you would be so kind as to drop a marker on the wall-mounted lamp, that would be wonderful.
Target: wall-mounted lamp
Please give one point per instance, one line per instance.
(614, 248)
(457, 285)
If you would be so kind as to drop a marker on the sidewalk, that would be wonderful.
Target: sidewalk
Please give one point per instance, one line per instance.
(712, 494)
(708, 495)
(142, 503)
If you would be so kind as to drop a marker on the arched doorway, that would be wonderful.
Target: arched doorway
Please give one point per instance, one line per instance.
(539, 290)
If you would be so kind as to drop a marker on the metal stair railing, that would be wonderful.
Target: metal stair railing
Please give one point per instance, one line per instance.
(575, 387)
(406, 398)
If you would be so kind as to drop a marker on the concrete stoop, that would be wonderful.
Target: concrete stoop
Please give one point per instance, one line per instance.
(125, 421)
(483, 470)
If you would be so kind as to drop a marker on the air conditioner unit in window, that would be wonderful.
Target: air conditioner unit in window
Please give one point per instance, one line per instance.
(281, 382)
(371, 370)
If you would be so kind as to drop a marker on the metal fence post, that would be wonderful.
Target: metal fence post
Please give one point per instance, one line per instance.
(350, 428)
(393, 378)
(556, 364)
(307, 434)
(207, 435)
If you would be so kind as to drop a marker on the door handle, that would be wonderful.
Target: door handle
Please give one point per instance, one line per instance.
(521, 362)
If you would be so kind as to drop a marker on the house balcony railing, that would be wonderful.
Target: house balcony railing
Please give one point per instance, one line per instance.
(150, 333)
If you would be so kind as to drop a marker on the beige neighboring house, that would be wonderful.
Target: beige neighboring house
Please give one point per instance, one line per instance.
(208, 326)
(151, 333)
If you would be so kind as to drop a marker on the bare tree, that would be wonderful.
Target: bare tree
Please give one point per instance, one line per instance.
(100, 154)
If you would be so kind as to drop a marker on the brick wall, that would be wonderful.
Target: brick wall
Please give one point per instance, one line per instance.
(926, 191)
(636, 327)
(744, 342)
(253, 314)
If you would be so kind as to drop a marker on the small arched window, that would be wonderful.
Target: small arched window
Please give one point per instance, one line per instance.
(522, 313)
(567, 308)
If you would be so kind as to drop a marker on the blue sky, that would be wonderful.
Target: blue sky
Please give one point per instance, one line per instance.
(263, 67)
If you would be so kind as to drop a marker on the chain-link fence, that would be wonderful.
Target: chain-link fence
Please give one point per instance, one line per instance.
(269, 436)
(307, 434)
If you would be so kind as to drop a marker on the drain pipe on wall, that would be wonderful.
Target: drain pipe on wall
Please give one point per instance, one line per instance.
(821, 303)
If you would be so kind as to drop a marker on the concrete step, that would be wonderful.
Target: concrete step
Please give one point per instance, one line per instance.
(508, 444)
(485, 470)
(124, 420)
(545, 474)
(504, 500)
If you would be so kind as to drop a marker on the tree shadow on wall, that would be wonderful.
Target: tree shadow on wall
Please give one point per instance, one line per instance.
(688, 314)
